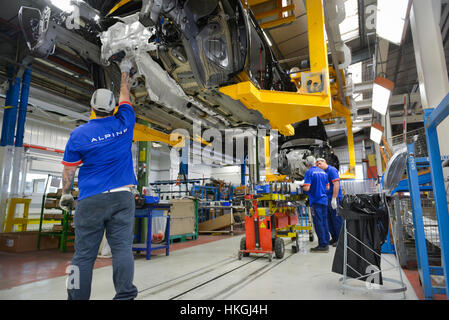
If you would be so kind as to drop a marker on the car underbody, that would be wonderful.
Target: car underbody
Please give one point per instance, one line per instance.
(183, 52)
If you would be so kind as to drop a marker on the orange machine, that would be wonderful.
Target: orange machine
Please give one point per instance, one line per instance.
(260, 233)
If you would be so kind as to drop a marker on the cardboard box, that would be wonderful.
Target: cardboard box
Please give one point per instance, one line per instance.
(218, 223)
(182, 208)
(51, 204)
(18, 241)
(182, 217)
(53, 216)
(26, 241)
(49, 242)
(180, 226)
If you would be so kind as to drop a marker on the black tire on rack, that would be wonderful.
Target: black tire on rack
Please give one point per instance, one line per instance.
(243, 246)
(279, 248)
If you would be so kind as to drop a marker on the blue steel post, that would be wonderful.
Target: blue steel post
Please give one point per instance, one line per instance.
(8, 99)
(23, 108)
(10, 113)
(420, 239)
(184, 164)
(436, 172)
(243, 171)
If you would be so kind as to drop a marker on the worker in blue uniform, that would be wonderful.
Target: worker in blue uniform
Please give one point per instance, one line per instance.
(102, 147)
(334, 196)
(315, 184)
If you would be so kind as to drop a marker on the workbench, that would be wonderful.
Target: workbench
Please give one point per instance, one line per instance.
(148, 246)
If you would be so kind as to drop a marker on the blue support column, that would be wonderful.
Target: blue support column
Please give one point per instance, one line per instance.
(420, 238)
(23, 108)
(8, 99)
(243, 171)
(184, 164)
(10, 114)
(436, 171)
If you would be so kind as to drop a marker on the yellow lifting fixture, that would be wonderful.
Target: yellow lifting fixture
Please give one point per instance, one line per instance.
(284, 108)
(340, 111)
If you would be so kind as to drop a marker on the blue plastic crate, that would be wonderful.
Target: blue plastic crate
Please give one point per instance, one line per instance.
(149, 199)
(263, 189)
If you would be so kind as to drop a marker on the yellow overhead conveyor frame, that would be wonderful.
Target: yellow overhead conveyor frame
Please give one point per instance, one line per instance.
(284, 108)
(340, 111)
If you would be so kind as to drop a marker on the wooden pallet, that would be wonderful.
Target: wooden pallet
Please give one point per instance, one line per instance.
(53, 216)
(183, 237)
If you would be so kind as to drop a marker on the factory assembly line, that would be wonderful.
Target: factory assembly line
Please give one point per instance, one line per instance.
(201, 58)
(235, 150)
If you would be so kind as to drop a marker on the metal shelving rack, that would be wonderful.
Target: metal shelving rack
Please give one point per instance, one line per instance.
(432, 118)
(187, 182)
(212, 205)
(65, 219)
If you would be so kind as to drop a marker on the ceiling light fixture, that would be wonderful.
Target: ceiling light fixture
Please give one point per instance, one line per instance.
(376, 132)
(382, 88)
(391, 16)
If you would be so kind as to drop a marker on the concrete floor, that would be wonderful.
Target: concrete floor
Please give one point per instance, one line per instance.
(212, 271)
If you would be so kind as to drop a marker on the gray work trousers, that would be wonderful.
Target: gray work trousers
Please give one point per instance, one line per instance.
(113, 212)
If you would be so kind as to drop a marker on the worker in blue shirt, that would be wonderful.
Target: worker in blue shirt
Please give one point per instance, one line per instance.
(315, 184)
(334, 195)
(102, 149)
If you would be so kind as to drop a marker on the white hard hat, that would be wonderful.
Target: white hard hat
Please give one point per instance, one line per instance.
(103, 100)
(310, 161)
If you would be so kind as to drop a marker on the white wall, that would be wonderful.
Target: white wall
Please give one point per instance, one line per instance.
(228, 174)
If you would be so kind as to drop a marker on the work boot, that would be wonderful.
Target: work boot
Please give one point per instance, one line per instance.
(332, 242)
(320, 249)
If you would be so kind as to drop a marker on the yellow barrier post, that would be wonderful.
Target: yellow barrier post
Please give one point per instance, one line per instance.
(11, 220)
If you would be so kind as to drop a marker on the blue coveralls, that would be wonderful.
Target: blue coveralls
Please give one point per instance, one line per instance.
(317, 180)
(334, 220)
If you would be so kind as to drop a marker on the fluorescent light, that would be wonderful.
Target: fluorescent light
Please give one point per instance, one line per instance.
(391, 19)
(382, 88)
(381, 96)
(266, 37)
(156, 145)
(64, 5)
(376, 133)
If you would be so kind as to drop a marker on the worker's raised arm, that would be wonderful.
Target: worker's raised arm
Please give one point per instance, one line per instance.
(125, 68)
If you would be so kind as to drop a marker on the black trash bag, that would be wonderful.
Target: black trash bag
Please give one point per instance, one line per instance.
(366, 219)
